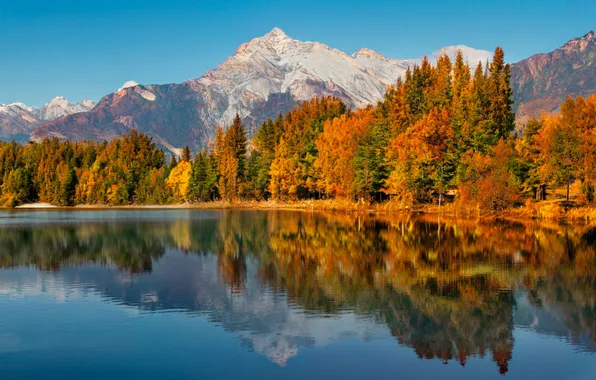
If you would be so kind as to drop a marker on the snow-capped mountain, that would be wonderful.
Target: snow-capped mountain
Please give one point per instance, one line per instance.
(17, 120)
(264, 77)
(60, 106)
(278, 64)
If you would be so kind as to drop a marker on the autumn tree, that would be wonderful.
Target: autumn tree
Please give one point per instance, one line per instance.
(489, 182)
(420, 157)
(560, 151)
(179, 179)
(336, 147)
(298, 152)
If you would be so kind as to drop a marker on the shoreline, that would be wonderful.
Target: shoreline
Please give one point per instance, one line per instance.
(247, 205)
(545, 211)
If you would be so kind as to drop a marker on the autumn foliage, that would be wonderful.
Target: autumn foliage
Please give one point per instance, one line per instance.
(443, 133)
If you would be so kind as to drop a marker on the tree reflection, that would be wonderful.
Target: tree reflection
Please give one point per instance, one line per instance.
(451, 298)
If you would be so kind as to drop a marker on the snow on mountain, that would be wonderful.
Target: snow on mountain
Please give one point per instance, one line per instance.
(17, 120)
(19, 106)
(473, 56)
(264, 77)
(277, 64)
(60, 106)
(130, 83)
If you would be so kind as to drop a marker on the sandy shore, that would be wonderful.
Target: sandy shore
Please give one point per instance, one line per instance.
(36, 206)
(254, 205)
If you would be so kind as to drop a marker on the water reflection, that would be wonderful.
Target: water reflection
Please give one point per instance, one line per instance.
(282, 281)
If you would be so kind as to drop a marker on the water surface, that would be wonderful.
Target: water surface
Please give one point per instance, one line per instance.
(275, 294)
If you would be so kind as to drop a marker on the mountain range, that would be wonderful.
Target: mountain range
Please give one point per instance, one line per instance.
(270, 75)
(18, 120)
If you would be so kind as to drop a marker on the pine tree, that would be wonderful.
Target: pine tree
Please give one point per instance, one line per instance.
(197, 191)
(186, 154)
(235, 137)
(501, 95)
(262, 157)
(173, 162)
(68, 189)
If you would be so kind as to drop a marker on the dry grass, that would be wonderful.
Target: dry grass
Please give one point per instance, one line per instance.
(340, 204)
(554, 209)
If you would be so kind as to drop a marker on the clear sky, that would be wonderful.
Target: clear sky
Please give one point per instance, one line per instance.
(89, 48)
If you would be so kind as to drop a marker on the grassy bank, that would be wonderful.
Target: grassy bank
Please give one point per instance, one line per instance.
(555, 209)
(552, 210)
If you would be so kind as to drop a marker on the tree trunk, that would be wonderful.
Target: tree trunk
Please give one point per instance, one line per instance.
(542, 192)
(568, 182)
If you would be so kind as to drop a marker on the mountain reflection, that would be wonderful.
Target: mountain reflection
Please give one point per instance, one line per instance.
(281, 281)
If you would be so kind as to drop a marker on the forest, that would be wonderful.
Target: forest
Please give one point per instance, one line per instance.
(445, 133)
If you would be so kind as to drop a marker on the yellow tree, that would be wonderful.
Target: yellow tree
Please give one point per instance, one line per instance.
(228, 175)
(178, 180)
(284, 173)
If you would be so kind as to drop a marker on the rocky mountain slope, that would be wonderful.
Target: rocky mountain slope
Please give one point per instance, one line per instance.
(270, 75)
(17, 120)
(264, 77)
(543, 81)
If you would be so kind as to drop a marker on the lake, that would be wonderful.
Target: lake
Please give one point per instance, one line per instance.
(213, 294)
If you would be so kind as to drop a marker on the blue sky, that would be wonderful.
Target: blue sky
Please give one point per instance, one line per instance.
(86, 49)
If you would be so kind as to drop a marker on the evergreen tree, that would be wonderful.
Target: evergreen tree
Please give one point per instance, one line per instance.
(68, 190)
(202, 180)
(501, 95)
(173, 162)
(186, 154)
(236, 140)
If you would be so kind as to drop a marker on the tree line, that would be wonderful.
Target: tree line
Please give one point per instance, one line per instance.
(444, 131)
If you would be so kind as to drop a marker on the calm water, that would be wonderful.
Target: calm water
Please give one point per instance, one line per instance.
(268, 295)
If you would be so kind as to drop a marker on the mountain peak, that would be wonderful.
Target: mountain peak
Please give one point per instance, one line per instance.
(275, 40)
(130, 83)
(581, 43)
(60, 106)
(20, 105)
(276, 33)
(588, 37)
(59, 100)
(369, 54)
